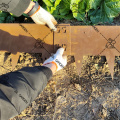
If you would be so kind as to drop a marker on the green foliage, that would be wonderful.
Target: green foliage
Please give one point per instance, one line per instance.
(6, 17)
(104, 11)
(58, 8)
(88, 11)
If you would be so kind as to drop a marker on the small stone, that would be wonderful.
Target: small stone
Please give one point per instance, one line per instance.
(96, 66)
(78, 87)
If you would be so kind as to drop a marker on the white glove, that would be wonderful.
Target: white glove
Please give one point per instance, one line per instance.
(58, 59)
(41, 16)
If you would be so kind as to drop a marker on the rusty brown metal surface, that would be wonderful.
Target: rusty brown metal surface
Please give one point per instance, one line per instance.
(77, 41)
(26, 38)
(15, 58)
(62, 38)
(95, 40)
(15, 39)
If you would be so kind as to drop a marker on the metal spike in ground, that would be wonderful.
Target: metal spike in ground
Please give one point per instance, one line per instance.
(110, 59)
(15, 58)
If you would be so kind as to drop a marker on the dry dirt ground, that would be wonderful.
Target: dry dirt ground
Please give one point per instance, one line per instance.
(67, 96)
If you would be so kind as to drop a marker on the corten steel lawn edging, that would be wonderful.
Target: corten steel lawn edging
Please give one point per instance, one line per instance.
(77, 41)
(95, 40)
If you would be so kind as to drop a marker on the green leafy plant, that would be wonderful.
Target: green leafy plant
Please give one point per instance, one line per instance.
(88, 11)
(104, 11)
(58, 8)
(6, 17)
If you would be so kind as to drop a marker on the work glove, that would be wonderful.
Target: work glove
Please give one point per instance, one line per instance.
(41, 16)
(58, 59)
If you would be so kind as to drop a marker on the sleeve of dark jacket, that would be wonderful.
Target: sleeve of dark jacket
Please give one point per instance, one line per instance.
(17, 7)
(18, 89)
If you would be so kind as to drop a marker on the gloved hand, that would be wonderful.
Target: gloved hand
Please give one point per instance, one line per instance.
(41, 16)
(57, 59)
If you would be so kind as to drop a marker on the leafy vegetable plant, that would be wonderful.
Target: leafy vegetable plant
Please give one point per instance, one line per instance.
(88, 11)
(6, 17)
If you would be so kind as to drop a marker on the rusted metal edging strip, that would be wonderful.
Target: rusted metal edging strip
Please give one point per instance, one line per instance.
(95, 40)
(78, 40)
